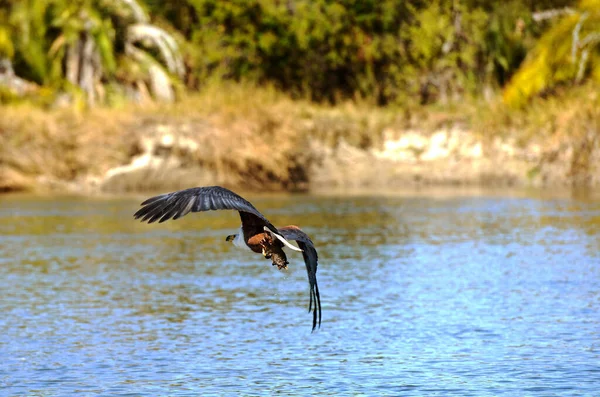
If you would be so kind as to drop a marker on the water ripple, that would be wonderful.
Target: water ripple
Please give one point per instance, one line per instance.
(463, 296)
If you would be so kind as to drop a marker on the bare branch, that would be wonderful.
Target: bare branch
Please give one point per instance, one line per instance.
(138, 12)
(592, 38)
(575, 43)
(582, 61)
(552, 13)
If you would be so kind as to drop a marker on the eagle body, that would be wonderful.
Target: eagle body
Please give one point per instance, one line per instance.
(261, 243)
(256, 232)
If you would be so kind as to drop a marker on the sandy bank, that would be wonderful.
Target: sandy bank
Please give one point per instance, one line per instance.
(159, 156)
(274, 143)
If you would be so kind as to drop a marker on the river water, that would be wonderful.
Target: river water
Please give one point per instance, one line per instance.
(453, 294)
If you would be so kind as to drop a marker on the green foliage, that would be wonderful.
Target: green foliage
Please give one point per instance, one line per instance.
(384, 51)
(508, 35)
(75, 45)
(443, 44)
(28, 20)
(322, 49)
(7, 49)
(565, 54)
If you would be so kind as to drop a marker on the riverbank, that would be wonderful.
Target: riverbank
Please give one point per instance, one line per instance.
(251, 138)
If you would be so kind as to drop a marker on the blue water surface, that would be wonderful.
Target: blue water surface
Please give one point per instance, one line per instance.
(423, 295)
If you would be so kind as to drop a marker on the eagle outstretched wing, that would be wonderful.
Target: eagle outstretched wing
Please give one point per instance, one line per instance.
(311, 261)
(174, 205)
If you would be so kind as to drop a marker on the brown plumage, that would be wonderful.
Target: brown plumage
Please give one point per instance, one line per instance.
(257, 233)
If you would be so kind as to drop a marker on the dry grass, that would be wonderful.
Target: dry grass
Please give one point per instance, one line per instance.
(59, 144)
(255, 136)
(259, 138)
(248, 135)
(566, 115)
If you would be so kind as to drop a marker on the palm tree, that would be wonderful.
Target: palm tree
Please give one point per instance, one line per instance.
(90, 45)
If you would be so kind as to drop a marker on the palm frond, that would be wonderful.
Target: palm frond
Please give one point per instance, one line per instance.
(152, 36)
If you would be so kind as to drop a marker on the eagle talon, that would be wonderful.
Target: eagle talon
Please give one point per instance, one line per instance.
(266, 254)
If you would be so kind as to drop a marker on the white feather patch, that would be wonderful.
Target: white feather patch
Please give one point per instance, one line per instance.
(238, 241)
(283, 240)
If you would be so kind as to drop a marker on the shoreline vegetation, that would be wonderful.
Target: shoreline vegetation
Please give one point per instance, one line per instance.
(113, 96)
(257, 138)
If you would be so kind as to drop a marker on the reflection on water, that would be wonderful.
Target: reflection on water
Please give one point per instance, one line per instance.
(422, 295)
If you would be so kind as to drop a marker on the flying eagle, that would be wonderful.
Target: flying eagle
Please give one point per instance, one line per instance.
(256, 232)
